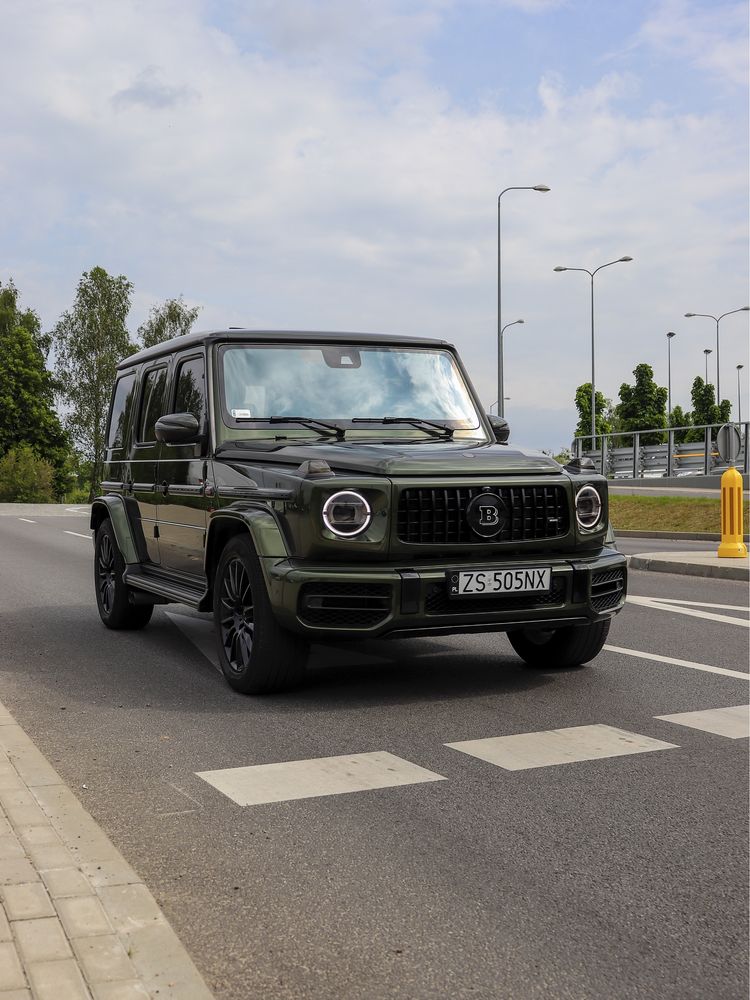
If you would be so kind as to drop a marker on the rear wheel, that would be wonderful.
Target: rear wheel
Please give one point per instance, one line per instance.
(113, 596)
(256, 654)
(570, 646)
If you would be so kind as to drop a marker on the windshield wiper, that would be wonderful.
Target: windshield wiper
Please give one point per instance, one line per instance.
(323, 427)
(423, 425)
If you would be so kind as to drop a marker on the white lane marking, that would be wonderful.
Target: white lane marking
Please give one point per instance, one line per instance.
(305, 779)
(79, 535)
(558, 746)
(639, 654)
(656, 605)
(200, 633)
(733, 722)
(27, 520)
(700, 604)
(77, 510)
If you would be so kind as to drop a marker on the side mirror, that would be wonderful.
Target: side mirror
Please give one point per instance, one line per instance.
(177, 428)
(579, 465)
(500, 428)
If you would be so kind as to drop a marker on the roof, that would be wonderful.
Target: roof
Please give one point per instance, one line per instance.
(273, 336)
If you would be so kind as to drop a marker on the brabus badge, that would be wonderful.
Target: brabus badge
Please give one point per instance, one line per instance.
(487, 515)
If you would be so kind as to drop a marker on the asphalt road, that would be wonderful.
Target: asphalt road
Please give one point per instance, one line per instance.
(618, 877)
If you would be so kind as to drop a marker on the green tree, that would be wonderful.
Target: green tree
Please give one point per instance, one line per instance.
(679, 418)
(603, 412)
(27, 413)
(24, 477)
(705, 410)
(171, 319)
(643, 405)
(90, 339)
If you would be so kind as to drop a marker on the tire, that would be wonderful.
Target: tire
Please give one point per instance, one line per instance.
(113, 597)
(256, 654)
(545, 649)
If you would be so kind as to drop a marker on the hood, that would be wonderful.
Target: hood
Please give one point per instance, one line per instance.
(429, 458)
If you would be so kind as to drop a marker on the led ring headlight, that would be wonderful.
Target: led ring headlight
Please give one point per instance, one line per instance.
(588, 507)
(346, 514)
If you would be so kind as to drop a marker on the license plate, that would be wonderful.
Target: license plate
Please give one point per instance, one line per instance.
(465, 582)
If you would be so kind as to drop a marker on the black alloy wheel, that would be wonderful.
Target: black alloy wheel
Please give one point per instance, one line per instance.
(114, 599)
(257, 655)
(237, 623)
(569, 646)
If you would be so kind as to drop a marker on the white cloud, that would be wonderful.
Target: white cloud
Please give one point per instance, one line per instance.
(315, 192)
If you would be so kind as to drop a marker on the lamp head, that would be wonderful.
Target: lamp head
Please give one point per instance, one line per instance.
(560, 269)
(519, 321)
(740, 366)
(689, 315)
(540, 187)
(745, 309)
(671, 334)
(623, 260)
(707, 350)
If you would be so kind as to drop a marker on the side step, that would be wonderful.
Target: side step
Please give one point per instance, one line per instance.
(179, 593)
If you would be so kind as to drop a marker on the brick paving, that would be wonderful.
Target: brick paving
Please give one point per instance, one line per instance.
(76, 922)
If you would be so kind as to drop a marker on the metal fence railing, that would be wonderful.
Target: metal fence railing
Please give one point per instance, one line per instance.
(633, 460)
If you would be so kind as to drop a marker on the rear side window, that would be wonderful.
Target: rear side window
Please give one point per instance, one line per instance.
(190, 395)
(122, 404)
(152, 403)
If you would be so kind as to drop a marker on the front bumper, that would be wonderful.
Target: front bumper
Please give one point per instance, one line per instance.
(350, 601)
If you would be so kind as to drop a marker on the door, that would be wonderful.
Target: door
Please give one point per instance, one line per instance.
(145, 454)
(183, 507)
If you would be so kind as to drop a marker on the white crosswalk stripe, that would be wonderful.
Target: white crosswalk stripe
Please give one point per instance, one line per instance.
(558, 746)
(733, 722)
(304, 779)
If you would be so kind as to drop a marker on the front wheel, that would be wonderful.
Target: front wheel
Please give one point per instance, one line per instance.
(256, 654)
(571, 646)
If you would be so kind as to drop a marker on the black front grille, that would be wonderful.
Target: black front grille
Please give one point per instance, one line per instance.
(437, 601)
(344, 605)
(428, 516)
(607, 589)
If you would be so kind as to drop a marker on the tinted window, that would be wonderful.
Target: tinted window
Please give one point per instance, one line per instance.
(121, 407)
(190, 396)
(153, 404)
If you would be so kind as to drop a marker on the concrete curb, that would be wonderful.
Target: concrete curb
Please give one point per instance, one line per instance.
(662, 563)
(76, 921)
(688, 536)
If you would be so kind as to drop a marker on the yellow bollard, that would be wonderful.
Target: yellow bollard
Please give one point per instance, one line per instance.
(732, 545)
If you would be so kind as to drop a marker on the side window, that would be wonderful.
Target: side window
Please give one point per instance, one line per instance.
(190, 395)
(152, 403)
(122, 404)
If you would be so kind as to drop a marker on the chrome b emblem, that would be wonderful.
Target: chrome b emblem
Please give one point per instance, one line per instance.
(487, 515)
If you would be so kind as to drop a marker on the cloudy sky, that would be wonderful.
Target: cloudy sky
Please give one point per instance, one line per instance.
(335, 164)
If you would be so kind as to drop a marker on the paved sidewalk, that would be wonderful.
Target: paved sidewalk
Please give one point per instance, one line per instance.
(76, 922)
(692, 564)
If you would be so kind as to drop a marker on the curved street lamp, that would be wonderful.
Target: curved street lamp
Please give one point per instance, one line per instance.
(620, 260)
(707, 351)
(515, 322)
(717, 320)
(500, 389)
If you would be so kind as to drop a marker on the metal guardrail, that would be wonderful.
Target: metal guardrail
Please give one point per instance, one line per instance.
(637, 461)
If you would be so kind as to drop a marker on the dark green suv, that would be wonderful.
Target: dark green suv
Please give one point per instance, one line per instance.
(311, 486)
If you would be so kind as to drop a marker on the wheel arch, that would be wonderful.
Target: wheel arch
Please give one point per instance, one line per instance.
(113, 508)
(258, 523)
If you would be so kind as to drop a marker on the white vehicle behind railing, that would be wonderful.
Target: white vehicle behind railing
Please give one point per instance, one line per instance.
(668, 459)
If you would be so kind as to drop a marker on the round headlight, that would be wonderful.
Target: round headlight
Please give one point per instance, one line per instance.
(346, 514)
(588, 507)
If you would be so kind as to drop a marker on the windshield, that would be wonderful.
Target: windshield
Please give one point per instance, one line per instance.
(342, 384)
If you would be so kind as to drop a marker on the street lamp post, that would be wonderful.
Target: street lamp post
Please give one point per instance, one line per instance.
(501, 366)
(620, 260)
(717, 320)
(500, 392)
(707, 351)
(670, 335)
(739, 397)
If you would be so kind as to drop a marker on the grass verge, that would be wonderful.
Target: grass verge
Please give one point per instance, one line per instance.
(639, 513)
